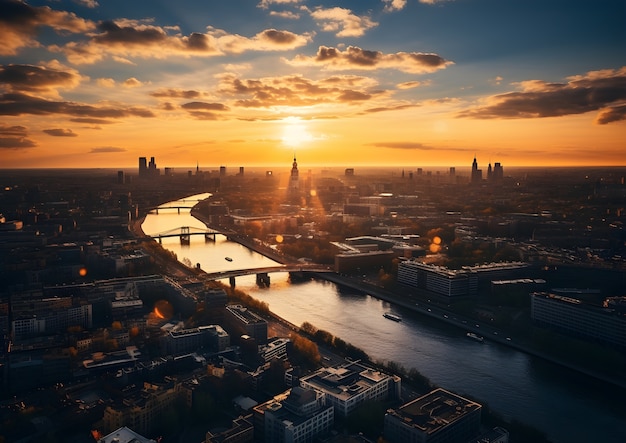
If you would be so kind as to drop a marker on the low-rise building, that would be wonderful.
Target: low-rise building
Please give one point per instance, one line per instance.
(351, 384)
(573, 316)
(297, 416)
(439, 416)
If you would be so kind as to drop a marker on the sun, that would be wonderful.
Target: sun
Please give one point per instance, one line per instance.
(295, 132)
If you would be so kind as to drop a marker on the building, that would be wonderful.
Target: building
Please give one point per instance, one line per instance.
(477, 174)
(184, 341)
(578, 318)
(239, 320)
(124, 435)
(297, 416)
(294, 179)
(455, 282)
(349, 385)
(241, 431)
(437, 417)
(141, 410)
(277, 348)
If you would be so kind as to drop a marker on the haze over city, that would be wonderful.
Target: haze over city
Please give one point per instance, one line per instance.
(380, 82)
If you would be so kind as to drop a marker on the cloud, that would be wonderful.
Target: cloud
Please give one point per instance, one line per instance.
(176, 93)
(88, 3)
(20, 104)
(389, 108)
(603, 90)
(265, 4)
(609, 115)
(204, 111)
(394, 5)
(19, 23)
(356, 58)
(402, 145)
(15, 137)
(123, 39)
(132, 83)
(106, 82)
(296, 90)
(106, 149)
(92, 121)
(412, 84)
(205, 106)
(285, 14)
(60, 132)
(267, 40)
(342, 22)
(39, 79)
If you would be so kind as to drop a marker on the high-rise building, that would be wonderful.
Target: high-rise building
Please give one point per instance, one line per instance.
(143, 167)
(477, 174)
(294, 178)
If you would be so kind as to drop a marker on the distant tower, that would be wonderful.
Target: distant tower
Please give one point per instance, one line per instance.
(143, 167)
(498, 171)
(489, 177)
(294, 179)
(477, 174)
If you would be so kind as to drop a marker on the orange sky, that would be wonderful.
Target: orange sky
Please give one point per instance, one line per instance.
(87, 85)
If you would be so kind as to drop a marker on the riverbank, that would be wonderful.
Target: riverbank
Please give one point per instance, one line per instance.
(466, 324)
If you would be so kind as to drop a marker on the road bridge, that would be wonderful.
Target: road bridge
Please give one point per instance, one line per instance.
(185, 233)
(262, 274)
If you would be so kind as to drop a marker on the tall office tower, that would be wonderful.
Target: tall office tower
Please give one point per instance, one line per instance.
(489, 176)
(419, 171)
(152, 166)
(222, 171)
(241, 171)
(498, 171)
(120, 177)
(143, 167)
(452, 174)
(477, 174)
(294, 179)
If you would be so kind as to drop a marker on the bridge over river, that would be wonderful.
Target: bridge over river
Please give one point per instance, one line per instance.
(262, 274)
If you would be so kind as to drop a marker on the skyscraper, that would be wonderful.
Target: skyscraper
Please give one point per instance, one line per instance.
(477, 174)
(294, 179)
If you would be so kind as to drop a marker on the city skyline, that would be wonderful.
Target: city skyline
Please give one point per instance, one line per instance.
(355, 83)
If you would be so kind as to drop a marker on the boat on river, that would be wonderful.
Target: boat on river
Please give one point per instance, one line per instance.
(228, 259)
(475, 336)
(391, 316)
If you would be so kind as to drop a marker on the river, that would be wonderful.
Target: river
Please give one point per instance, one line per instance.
(566, 405)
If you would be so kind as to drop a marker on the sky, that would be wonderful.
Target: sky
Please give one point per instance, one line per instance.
(412, 83)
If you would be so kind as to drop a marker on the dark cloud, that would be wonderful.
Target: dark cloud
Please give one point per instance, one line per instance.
(356, 58)
(202, 115)
(278, 37)
(31, 78)
(598, 90)
(106, 149)
(20, 104)
(113, 34)
(60, 132)
(175, 93)
(19, 23)
(204, 106)
(389, 108)
(92, 121)
(613, 114)
(15, 137)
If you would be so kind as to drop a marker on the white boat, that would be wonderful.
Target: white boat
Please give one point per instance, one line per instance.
(391, 316)
(475, 336)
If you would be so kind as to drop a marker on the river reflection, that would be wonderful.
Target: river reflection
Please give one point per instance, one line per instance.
(567, 406)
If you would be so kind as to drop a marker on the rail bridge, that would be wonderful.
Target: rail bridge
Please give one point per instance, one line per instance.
(156, 209)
